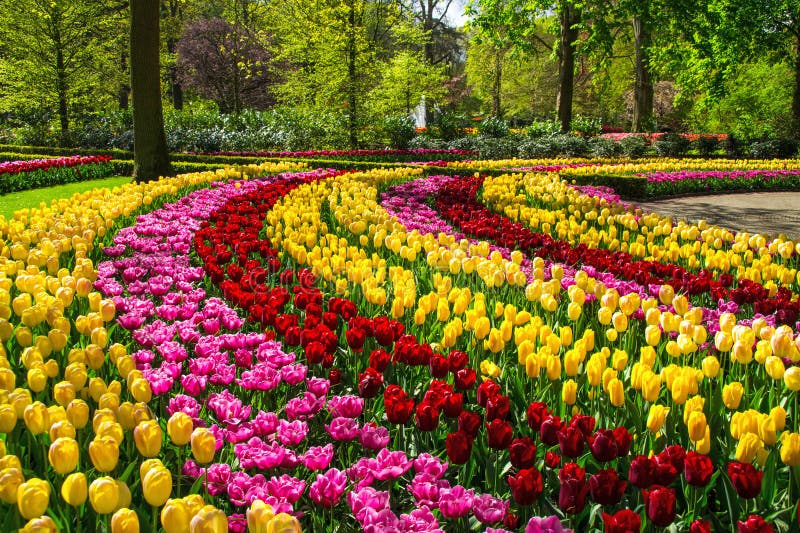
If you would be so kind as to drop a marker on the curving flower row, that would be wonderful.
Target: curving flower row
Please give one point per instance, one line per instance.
(319, 349)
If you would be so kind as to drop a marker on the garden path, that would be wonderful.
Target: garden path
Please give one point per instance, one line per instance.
(770, 213)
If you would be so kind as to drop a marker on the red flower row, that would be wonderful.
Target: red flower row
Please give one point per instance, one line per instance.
(457, 202)
(249, 273)
(18, 167)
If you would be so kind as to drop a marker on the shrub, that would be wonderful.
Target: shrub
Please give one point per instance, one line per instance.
(448, 126)
(633, 146)
(586, 126)
(493, 127)
(601, 147)
(464, 143)
(399, 130)
(544, 128)
(491, 148)
(671, 145)
(732, 146)
(706, 145)
(569, 145)
(773, 149)
(534, 149)
(428, 143)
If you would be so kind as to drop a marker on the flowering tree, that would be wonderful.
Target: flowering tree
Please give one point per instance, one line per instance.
(226, 63)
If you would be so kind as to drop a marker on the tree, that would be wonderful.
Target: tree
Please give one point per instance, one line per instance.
(334, 50)
(405, 79)
(227, 64)
(515, 21)
(150, 155)
(54, 53)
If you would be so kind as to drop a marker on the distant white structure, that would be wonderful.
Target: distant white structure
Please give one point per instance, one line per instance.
(419, 114)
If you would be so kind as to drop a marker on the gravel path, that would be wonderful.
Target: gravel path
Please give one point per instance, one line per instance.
(770, 213)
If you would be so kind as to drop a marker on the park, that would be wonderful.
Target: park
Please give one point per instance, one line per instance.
(399, 266)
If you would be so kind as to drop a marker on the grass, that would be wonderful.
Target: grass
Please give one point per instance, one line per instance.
(34, 197)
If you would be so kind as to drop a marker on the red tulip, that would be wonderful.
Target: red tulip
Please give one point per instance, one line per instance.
(642, 471)
(659, 503)
(369, 383)
(698, 469)
(624, 521)
(700, 526)
(536, 413)
(571, 442)
(606, 487)
(426, 416)
(754, 524)
(603, 446)
(465, 379)
(499, 434)
(745, 479)
(526, 486)
(379, 359)
(522, 452)
(469, 422)
(459, 447)
(572, 494)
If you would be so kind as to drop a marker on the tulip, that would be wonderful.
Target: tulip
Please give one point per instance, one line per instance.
(104, 453)
(660, 505)
(747, 448)
(33, 497)
(179, 428)
(78, 413)
(569, 391)
(175, 516)
(209, 520)
(259, 515)
(124, 521)
(656, 418)
(203, 443)
(284, 523)
(732, 393)
(148, 436)
(37, 419)
(157, 486)
(697, 425)
(104, 495)
(125, 496)
(74, 490)
(10, 480)
(616, 393)
(42, 524)
(63, 455)
(792, 378)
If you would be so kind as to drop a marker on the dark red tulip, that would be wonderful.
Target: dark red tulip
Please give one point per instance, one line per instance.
(458, 360)
(439, 366)
(552, 459)
(606, 487)
(486, 390)
(700, 526)
(624, 521)
(603, 446)
(465, 378)
(426, 417)
(573, 491)
(548, 432)
(469, 422)
(369, 383)
(499, 434)
(697, 469)
(497, 406)
(453, 404)
(571, 442)
(526, 486)
(623, 438)
(753, 524)
(459, 447)
(522, 452)
(642, 471)
(659, 503)
(379, 359)
(745, 479)
(535, 414)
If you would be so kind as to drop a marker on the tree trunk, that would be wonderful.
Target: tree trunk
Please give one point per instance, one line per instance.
(497, 84)
(568, 16)
(352, 79)
(796, 93)
(124, 93)
(150, 156)
(61, 91)
(643, 84)
(175, 89)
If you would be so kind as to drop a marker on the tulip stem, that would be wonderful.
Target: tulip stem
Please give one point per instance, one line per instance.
(155, 519)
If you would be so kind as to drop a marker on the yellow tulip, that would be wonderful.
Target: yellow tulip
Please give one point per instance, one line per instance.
(179, 428)
(791, 377)
(175, 516)
(569, 391)
(63, 455)
(697, 426)
(37, 418)
(616, 393)
(284, 523)
(259, 515)
(747, 448)
(732, 395)
(74, 490)
(33, 497)
(710, 366)
(790, 449)
(203, 444)
(157, 486)
(209, 520)
(125, 521)
(10, 480)
(78, 413)
(42, 524)
(656, 417)
(104, 453)
(148, 436)
(104, 495)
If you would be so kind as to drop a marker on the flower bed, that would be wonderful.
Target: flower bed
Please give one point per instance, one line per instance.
(30, 174)
(393, 352)
(359, 155)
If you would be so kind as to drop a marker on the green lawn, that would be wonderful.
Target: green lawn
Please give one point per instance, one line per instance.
(33, 197)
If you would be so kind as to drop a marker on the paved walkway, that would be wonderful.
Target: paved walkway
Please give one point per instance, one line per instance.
(770, 213)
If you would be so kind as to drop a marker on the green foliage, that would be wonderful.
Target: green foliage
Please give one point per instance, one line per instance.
(493, 127)
(404, 80)
(399, 130)
(448, 126)
(605, 148)
(633, 146)
(706, 145)
(586, 126)
(671, 145)
(773, 149)
(541, 128)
